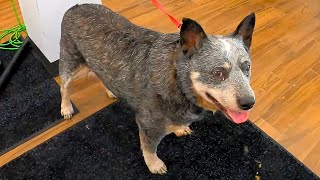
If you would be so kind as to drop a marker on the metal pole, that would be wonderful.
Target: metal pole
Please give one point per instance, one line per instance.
(14, 60)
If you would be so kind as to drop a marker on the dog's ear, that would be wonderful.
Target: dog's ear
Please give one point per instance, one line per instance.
(191, 34)
(245, 29)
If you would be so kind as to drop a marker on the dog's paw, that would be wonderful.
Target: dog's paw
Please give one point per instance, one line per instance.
(157, 167)
(91, 74)
(67, 111)
(183, 131)
(110, 94)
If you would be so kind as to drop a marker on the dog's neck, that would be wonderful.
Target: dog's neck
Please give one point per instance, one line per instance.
(173, 88)
(183, 81)
(185, 90)
(185, 87)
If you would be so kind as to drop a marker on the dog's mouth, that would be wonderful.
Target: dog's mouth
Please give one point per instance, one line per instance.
(236, 116)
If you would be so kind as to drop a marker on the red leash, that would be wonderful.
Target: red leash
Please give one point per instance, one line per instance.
(173, 19)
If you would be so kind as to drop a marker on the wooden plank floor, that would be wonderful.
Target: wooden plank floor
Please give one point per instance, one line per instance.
(285, 74)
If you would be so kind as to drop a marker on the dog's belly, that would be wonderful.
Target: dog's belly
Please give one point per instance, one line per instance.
(123, 83)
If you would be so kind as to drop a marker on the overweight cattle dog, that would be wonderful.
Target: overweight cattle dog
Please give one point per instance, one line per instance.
(168, 79)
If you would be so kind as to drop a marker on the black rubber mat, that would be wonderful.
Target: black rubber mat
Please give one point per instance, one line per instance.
(106, 146)
(30, 102)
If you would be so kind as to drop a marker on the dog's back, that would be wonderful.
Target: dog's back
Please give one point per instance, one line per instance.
(110, 45)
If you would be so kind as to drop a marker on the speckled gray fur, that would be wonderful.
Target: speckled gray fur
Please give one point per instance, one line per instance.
(150, 70)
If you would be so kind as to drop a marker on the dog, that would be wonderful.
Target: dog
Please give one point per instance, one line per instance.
(170, 80)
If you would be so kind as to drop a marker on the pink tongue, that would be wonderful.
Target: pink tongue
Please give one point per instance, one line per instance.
(238, 117)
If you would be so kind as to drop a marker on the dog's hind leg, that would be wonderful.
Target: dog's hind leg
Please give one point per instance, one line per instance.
(91, 74)
(110, 94)
(70, 61)
(66, 106)
(151, 133)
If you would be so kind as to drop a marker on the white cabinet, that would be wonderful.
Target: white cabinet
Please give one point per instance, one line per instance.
(43, 21)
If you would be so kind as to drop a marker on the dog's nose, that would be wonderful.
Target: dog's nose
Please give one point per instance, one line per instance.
(246, 103)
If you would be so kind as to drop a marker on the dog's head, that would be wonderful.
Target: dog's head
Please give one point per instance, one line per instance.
(219, 67)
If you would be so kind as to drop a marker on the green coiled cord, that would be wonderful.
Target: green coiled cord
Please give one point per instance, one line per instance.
(14, 42)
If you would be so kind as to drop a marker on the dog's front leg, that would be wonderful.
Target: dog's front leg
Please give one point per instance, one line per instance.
(151, 132)
(179, 130)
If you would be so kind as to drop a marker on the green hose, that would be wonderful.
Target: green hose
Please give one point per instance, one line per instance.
(14, 42)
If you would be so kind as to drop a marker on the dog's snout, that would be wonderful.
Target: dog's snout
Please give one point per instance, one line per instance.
(246, 103)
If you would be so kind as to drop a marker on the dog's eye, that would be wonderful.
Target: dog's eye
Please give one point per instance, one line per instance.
(218, 74)
(248, 67)
(245, 66)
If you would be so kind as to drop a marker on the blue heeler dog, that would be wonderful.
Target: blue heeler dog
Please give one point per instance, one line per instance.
(168, 79)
